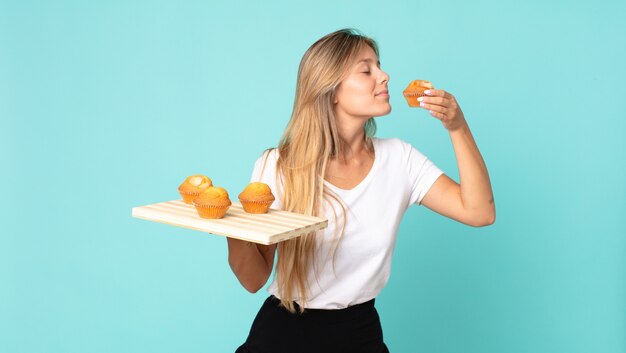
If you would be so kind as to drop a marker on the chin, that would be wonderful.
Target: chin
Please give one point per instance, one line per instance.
(384, 111)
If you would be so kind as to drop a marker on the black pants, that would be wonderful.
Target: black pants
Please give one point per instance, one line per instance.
(354, 329)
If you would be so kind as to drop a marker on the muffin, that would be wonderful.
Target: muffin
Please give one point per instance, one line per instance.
(193, 186)
(416, 89)
(212, 203)
(257, 197)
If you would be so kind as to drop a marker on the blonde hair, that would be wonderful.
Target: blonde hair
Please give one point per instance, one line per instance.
(309, 141)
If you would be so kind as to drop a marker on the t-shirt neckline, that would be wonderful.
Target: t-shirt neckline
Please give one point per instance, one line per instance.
(365, 180)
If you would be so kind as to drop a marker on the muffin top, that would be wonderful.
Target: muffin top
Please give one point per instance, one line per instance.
(213, 196)
(417, 87)
(257, 192)
(195, 184)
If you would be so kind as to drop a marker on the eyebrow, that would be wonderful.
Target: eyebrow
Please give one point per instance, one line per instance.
(368, 61)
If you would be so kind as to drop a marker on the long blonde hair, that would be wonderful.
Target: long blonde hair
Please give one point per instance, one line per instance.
(309, 141)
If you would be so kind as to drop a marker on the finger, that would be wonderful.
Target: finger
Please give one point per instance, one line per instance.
(435, 100)
(435, 108)
(438, 93)
(438, 115)
(435, 92)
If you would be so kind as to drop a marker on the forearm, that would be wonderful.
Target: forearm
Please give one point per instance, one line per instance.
(476, 192)
(251, 263)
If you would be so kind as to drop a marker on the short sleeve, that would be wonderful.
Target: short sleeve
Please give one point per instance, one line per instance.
(422, 174)
(265, 171)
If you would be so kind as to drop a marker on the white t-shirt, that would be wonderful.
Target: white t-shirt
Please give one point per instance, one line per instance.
(399, 177)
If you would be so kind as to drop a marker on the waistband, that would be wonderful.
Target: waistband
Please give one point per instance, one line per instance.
(351, 311)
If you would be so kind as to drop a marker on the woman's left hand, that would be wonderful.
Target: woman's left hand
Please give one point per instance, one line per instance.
(443, 106)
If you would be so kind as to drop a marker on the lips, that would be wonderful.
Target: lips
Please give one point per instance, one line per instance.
(385, 92)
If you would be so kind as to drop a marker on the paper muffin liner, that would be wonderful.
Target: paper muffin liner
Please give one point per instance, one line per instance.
(256, 206)
(411, 98)
(189, 196)
(211, 212)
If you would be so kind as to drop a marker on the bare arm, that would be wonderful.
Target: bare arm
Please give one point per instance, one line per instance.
(251, 263)
(470, 202)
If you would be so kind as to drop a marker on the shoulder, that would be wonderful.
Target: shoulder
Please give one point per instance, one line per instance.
(265, 165)
(271, 152)
(394, 146)
(269, 155)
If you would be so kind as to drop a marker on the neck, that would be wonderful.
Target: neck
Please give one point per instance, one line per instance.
(352, 135)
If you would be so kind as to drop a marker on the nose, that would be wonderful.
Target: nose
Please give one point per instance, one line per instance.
(384, 77)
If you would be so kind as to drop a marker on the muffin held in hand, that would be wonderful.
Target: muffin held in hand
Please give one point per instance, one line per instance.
(416, 89)
(193, 186)
(212, 203)
(256, 198)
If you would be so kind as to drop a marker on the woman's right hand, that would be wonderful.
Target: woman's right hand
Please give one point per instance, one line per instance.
(252, 263)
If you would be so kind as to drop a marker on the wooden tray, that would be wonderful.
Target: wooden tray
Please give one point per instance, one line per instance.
(268, 228)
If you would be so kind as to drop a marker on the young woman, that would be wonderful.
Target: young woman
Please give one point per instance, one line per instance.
(329, 164)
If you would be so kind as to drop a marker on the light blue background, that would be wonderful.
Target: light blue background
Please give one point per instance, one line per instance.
(105, 106)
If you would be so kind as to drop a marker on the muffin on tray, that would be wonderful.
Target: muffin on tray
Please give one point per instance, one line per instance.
(212, 203)
(257, 197)
(193, 186)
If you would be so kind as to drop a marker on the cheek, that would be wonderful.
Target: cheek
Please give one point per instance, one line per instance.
(355, 94)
